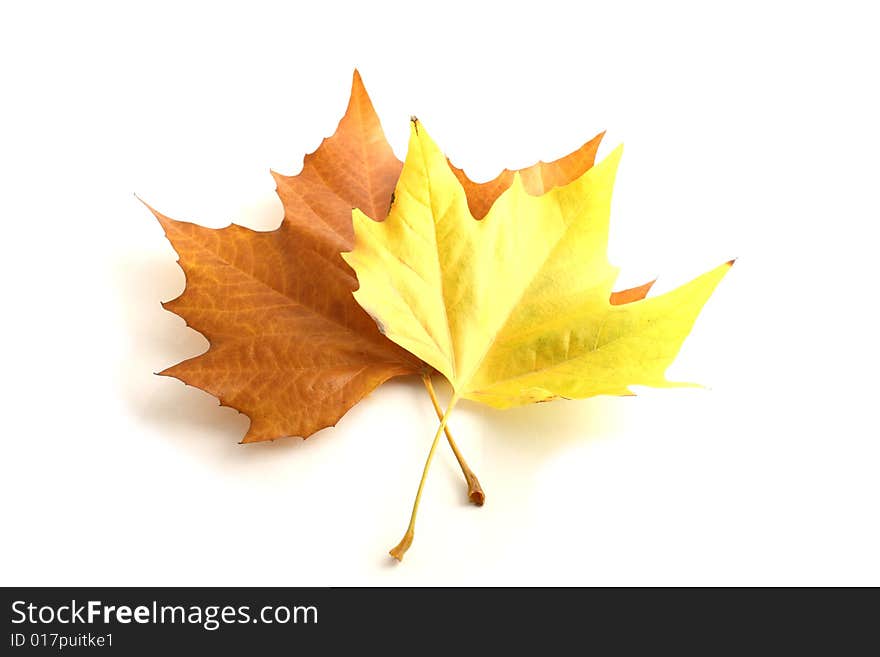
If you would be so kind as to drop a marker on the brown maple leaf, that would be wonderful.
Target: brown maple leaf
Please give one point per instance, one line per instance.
(289, 347)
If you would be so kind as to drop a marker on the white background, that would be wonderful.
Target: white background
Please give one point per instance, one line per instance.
(750, 132)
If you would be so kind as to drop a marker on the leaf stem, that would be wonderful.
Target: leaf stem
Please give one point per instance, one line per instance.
(475, 491)
(400, 549)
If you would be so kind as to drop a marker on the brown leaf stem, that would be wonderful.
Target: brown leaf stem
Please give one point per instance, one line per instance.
(475, 491)
(400, 549)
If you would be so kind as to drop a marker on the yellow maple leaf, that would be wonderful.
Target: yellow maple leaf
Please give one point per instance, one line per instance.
(514, 308)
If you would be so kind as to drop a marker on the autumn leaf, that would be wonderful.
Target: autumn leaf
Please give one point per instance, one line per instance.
(517, 307)
(289, 346)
